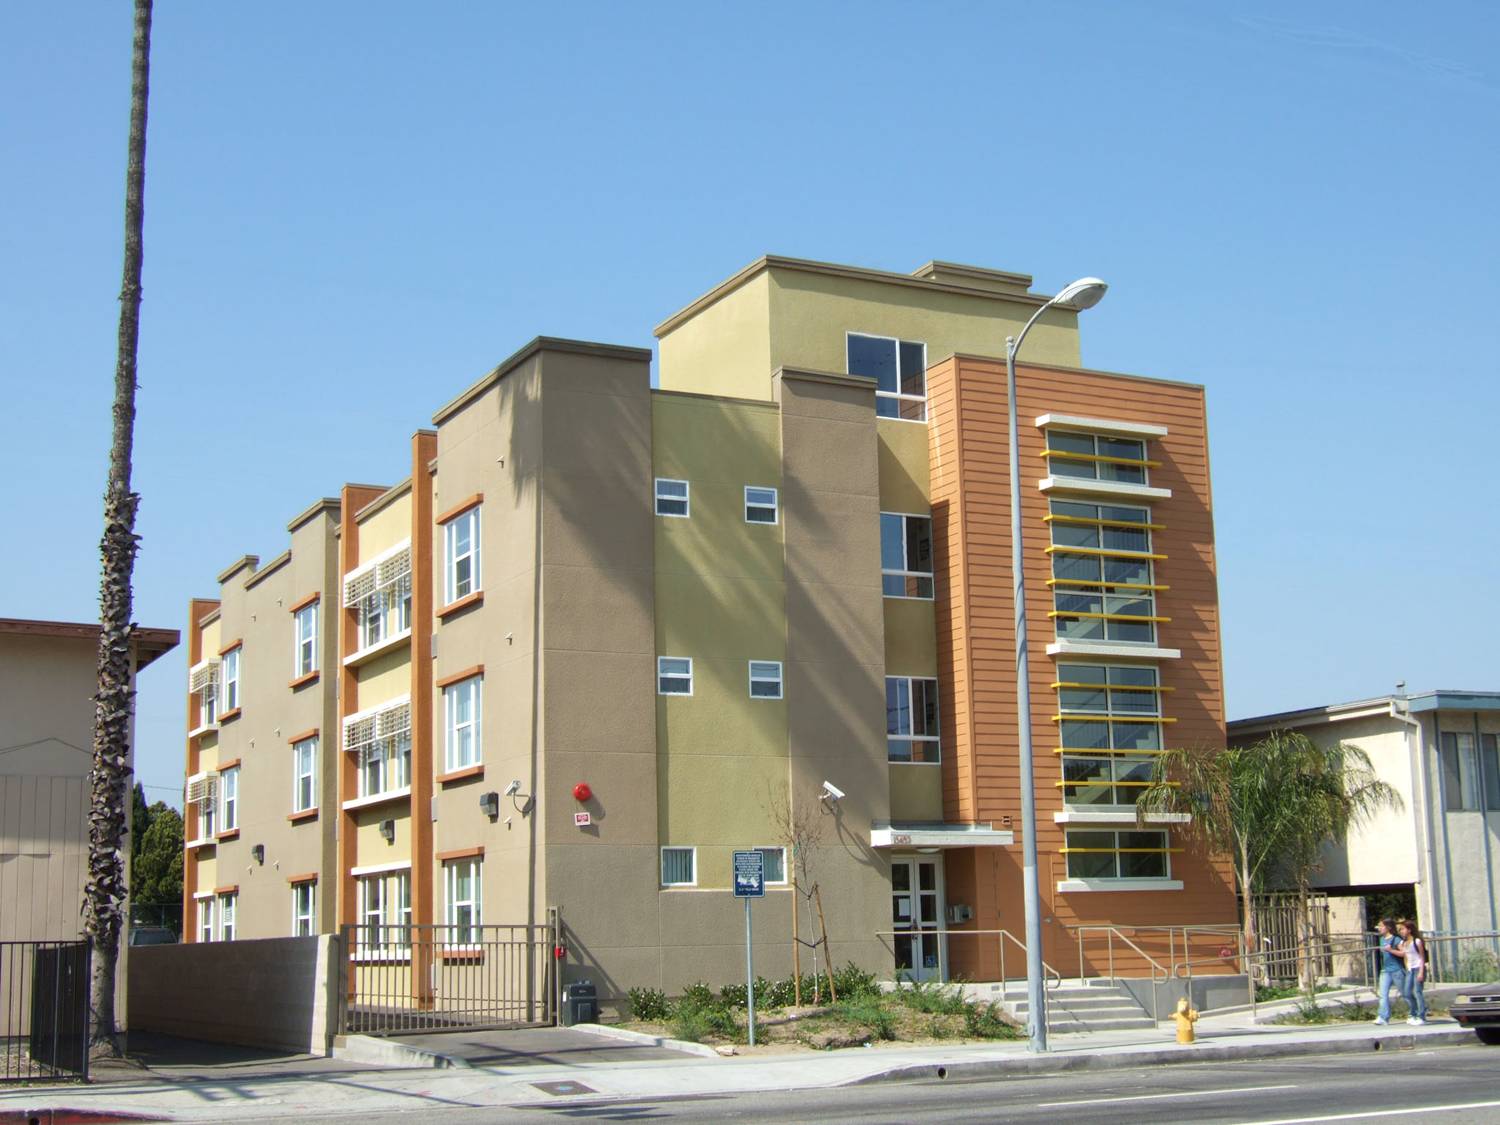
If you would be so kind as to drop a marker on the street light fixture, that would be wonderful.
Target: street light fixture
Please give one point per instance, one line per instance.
(1084, 293)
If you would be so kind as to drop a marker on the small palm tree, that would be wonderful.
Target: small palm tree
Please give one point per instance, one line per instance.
(105, 890)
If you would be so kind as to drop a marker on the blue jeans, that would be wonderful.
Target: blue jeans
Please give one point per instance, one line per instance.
(1388, 978)
(1414, 998)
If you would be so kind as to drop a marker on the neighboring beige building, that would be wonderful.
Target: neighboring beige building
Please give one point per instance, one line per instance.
(1438, 751)
(601, 633)
(48, 676)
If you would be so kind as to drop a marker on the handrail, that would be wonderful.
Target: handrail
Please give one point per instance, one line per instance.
(1048, 972)
(1112, 932)
(1021, 945)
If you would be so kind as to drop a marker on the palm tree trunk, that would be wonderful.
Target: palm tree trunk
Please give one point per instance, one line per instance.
(1247, 904)
(105, 888)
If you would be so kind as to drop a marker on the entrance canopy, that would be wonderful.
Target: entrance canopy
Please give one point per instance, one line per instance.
(931, 835)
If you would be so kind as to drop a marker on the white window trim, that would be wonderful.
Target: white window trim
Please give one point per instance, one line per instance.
(297, 670)
(935, 739)
(1118, 490)
(898, 395)
(931, 575)
(377, 798)
(784, 880)
(1115, 814)
(225, 679)
(675, 676)
(1129, 650)
(380, 868)
(1074, 422)
(774, 505)
(475, 555)
(686, 498)
(475, 724)
(310, 885)
(753, 679)
(661, 856)
(221, 915)
(451, 904)
(1072, 886)
(312, 774)
(222, 818)
(395, 640)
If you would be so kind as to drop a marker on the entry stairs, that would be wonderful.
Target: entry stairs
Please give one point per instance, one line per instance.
(1072, 1005)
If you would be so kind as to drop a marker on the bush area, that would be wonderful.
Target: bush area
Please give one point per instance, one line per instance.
(863, 1014)
(1353, 1011)
(1264, 993)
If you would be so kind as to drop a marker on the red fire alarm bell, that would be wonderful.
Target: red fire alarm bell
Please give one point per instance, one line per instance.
(582, 792)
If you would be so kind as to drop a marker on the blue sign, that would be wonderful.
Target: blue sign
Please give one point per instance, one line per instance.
(749, 875)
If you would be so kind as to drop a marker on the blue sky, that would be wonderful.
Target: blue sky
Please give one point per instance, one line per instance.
(359, 208)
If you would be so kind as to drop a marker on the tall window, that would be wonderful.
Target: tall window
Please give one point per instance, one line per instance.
(674, 675)
(305, 775)
(1096, 457)
(899, 368)
(911, 720)
(673, 498)
(305, 632)
(461, 721)
(765, 679)
(384, 904)
(229, 671)
(304, 909)
(461, 550)
(906, 555)
(382, 741)
(463, 912)
(227, 909)
(229, 799)
(1110, 730)
(1467, 772)
(1102, 587)
(380, 592)
(203, 682)
(679, 867)
(1117, 855)
(206, 919)
(205, 794)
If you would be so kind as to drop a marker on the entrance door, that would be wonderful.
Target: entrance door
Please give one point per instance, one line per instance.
(916, 916)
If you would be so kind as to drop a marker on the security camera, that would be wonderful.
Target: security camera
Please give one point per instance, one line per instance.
(831, 792)
(513, 788)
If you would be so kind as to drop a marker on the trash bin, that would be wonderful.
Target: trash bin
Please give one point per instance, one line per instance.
(580, 1003)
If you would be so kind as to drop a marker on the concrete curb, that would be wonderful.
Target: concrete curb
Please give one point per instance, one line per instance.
(626, 1035)
(374, 1051)
(1159, 1056)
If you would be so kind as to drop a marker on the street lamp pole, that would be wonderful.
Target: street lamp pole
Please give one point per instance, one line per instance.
(1082, 294)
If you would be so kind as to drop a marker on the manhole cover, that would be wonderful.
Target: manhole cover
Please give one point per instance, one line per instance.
(562, 1088)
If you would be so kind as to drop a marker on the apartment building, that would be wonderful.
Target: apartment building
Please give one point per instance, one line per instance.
(1440, 752)
(602, 635)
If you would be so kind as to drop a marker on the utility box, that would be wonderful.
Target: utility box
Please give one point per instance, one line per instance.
(580, 1003)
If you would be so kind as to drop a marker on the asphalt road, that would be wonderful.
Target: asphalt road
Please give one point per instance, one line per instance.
(1444, 1085)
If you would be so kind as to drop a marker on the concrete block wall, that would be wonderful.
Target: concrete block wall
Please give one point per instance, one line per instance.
(273, 992)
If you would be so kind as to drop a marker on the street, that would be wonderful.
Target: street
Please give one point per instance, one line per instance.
(1447, 1085)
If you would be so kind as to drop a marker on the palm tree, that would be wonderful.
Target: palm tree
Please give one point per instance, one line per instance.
(105, 889)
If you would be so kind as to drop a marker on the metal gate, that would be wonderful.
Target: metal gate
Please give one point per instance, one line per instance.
(406, 979)
(44, 1010)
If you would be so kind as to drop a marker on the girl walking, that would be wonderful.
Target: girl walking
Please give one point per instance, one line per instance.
(1392, 968)
(1414, 950)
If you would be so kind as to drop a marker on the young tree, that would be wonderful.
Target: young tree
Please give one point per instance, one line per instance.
(156, 870)
(104, 889)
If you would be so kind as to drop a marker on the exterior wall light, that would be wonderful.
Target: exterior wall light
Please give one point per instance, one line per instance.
(388, 831)
(258, 853)
(489, 804)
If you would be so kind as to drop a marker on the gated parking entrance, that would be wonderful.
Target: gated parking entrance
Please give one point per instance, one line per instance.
(422, 978)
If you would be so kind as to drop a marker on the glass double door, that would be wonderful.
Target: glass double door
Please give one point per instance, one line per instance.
(916, 916)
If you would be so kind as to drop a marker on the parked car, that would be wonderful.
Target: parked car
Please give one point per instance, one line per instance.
(152, 935)
(1479, 1008)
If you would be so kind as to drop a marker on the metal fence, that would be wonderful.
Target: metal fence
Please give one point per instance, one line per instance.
(44, 1010)
(446, 978)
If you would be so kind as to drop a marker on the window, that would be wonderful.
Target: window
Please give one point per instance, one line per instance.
(226, 916)
(382, 741)
(1110, 730)
(899, 368)
(1460, 772)
(207, 801)
(463, 917)
(304, 907)
(461, 721)
(1096, 457)
(1489, 757)
(1118, 855)
(206, 919)
(305, 632)
(203, 682)
(765, 679)
(229, 799)
(679, 867)
(230, 672)
(305, 775)
(906, 555)
(380, 592)
(208, 706)
(775, 864)
(911, 720)
(385, 913)
(760, 505)
(672, 498)
(674, 675)
(461, 542)
(1102, 586)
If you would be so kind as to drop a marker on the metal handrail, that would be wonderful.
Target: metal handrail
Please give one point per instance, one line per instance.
(1050, 975)
(1112, 932)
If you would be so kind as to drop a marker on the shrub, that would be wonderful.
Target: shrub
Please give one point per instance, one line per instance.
(852, 981)
(648, 1004)
(983, 1021)
(870, 1012)
(699, 994)
(734, 995)
(690, 1023)
(931, 998)
(694, 1018)
(1478, 965)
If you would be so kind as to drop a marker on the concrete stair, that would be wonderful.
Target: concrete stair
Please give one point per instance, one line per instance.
(1080, 1007)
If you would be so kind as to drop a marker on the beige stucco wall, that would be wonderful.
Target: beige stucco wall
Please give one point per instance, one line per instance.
(1385, 849)
(386, 527)
(726, 348)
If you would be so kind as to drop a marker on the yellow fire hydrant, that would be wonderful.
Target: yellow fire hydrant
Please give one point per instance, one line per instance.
(1185, 1016)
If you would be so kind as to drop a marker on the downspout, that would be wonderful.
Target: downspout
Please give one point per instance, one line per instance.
(1401, 712)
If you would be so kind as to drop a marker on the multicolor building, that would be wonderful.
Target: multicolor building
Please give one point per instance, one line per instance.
(603, 634)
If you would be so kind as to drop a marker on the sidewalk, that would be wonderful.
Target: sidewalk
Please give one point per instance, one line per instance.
(304, 1091)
